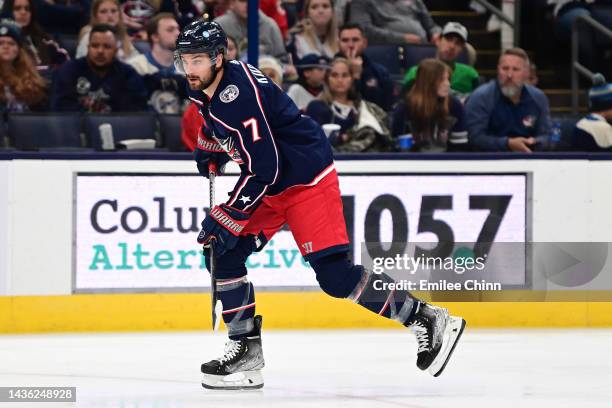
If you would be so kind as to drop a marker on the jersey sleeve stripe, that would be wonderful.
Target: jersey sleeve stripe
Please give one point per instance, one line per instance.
(248, 74)
(196, 101)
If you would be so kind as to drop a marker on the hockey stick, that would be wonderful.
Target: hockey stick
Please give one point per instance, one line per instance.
(217, 307)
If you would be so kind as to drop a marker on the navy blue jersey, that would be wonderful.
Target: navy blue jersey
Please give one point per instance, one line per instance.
(263, 131)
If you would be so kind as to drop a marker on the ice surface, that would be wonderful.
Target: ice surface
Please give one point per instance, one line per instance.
(493, 369)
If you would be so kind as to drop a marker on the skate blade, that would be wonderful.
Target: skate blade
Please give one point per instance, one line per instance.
(452, 334)
(244, 380)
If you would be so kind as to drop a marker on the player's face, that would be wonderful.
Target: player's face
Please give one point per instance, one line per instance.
(8, 49)
(352, 42)
(198, 70)
(449, 47)
(320, 12)
(108, 13)
(511, 73)
(101, 49)
(22, 12)
(167, 32)
(340, 79)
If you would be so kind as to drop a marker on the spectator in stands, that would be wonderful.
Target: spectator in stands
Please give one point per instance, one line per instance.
(362, 124)
(433, 116)
(532, 77)
(342, 9)
(317, 32)
(99, 82)
(107, 12)
(62, 16)
(232, 49)
(372, 80)
(136, 14)
(395, 22)
(450, 45)
(593, 133)
(271, 67)
(234, 23)
(166, 87)
(41, 47)
(274, 10)
(211, 9)
(311, 70)
(23, 88)
(507, 114)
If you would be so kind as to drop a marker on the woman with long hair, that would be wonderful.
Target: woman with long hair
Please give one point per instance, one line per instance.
(317, 32)
(22, 89)
(107, 12)
(433, 117)
(362, 124)
(40, 45)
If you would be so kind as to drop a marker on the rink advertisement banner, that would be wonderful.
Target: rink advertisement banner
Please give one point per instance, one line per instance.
(136, 232)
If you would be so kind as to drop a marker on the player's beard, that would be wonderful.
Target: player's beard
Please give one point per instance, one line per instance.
(203, 83)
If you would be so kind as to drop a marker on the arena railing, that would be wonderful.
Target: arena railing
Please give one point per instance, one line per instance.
(514, 22)
(577, 67)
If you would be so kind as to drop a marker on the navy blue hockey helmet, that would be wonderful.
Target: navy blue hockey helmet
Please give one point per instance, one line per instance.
(199, 36)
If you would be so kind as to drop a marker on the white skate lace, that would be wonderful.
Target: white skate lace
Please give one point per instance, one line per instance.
(232, 347)
(420, 331)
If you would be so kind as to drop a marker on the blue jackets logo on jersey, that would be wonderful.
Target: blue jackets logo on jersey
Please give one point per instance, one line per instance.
(228, 145)
(229, 94)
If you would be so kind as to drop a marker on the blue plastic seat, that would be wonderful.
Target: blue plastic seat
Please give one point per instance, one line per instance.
(69, 43)
(170, 127)
(140, 125)
(32, 131)
(390, 56)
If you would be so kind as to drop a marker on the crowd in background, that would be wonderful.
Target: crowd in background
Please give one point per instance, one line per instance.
(312, 48)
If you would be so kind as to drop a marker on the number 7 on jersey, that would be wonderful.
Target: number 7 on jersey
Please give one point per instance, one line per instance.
(252, 123)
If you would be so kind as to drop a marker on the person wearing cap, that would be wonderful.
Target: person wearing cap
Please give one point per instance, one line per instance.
(23, 89)
(99, 82)
(507, 114)
(593, 133)
(449, 47)
(372, 80)
(395, 22)
(311, 71)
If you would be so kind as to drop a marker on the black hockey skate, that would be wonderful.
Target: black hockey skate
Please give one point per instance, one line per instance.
(437, 335)
(240, 367)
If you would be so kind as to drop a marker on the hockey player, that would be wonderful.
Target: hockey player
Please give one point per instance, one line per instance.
(287, 176)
